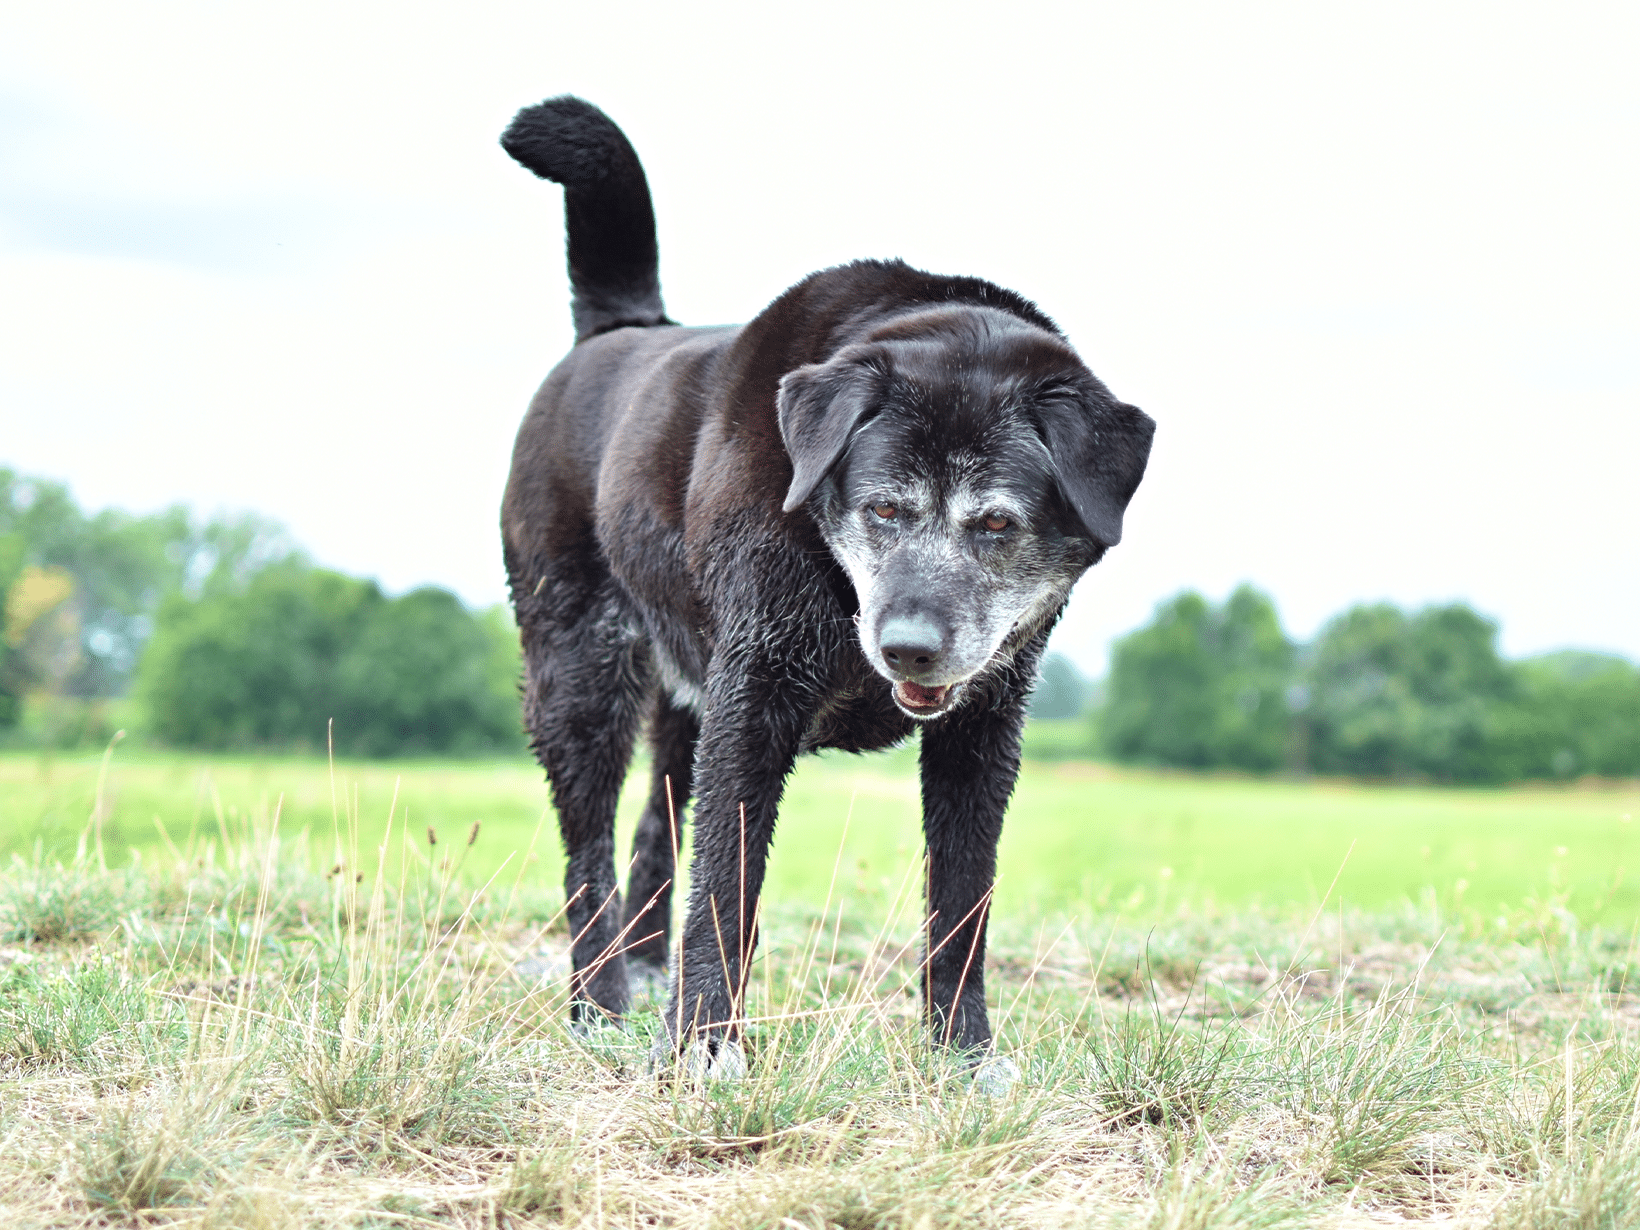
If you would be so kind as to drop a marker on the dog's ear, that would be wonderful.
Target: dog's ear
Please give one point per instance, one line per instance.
(1099, 448)
(819, 406)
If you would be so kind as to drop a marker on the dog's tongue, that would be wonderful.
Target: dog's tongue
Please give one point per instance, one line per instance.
(918, 697)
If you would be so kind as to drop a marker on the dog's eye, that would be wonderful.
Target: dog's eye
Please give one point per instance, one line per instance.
(886, 511)
(995, 522)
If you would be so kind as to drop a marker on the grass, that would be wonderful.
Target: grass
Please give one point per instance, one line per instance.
(281, 1016)
(1081, 837)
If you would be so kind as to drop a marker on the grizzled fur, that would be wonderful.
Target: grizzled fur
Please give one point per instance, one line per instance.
(856, 516)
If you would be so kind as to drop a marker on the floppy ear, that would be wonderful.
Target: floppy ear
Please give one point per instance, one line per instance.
(819, 406)
(1099, 448)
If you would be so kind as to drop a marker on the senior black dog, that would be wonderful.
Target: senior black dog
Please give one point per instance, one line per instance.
(855, 517)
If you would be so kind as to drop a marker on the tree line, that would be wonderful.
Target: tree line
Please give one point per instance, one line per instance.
(227, 636)
(1381, 692)
(224, 635)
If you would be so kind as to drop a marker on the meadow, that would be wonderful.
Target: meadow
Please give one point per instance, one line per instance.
(1079, 836)
(257, 992)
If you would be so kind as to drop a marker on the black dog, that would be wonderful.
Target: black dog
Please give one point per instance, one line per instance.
(859, 514)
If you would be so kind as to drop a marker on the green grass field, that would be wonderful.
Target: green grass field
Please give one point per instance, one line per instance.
(1079, 836)
(224, 1033)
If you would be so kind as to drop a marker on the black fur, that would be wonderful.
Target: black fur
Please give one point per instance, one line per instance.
(860, 512)
(613, 261)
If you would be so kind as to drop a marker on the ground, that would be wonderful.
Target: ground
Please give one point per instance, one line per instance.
(258, 1025)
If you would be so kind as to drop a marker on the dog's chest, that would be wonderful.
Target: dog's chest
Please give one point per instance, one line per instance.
(858, 716)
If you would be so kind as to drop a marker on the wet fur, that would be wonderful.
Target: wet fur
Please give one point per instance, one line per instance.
(689, 537)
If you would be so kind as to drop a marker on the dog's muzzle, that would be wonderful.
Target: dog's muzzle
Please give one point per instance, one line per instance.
(913, 649)
(923, 702)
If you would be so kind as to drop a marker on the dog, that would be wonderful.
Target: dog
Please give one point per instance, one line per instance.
(856, 517)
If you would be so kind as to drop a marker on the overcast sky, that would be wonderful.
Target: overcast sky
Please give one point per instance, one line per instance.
(1372, 268)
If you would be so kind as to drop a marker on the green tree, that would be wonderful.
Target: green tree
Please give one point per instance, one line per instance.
(1202, 686)
(123, 567)
(1061, 692)
(419, 676)
(1572, 714)
(257, 666)
(273, 663)
(13, 672)
(1393, 695)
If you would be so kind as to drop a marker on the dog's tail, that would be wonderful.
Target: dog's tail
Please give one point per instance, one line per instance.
(613, 261)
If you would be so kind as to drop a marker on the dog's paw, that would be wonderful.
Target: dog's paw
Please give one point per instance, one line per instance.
(995, 1075)
(718, 1059)
(703, 1060)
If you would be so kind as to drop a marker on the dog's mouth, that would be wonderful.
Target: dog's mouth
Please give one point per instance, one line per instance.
(921, 702)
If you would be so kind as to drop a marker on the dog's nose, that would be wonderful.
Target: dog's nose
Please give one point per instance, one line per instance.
(911, 644)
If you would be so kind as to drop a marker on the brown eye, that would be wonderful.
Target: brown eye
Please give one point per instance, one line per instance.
(995, 522)
(886, 511)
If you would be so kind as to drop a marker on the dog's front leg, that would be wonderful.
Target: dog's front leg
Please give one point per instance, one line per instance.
(970, 760)
(755, 717)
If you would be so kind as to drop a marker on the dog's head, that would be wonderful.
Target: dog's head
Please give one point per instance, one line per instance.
(965, 468)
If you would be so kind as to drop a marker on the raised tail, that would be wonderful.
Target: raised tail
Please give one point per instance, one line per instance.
(613, 261)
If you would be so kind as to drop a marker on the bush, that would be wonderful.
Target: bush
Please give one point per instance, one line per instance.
(1202, 686)
(1573, 714)
(1381, 693)
(1394, 695)
(423, 674)
(1061, 691)
(119, 568)
(273, 663)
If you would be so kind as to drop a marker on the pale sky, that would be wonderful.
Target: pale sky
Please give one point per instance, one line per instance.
(1373, 269)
